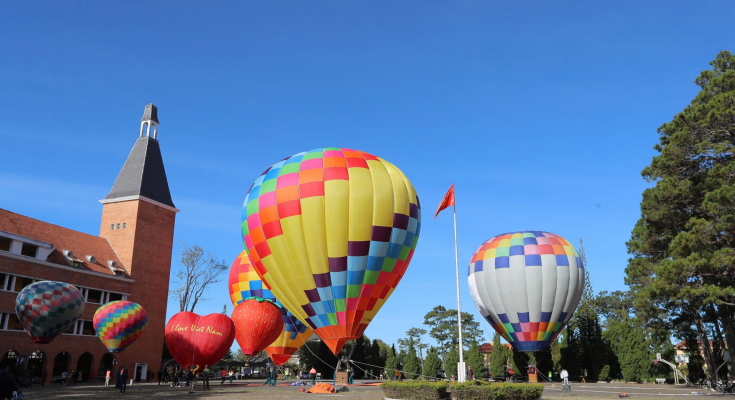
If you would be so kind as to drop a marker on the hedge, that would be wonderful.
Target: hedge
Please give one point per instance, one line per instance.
(474, 390)
(479, 390)
(415, 390)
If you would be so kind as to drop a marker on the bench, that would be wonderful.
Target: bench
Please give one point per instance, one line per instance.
(660, 380)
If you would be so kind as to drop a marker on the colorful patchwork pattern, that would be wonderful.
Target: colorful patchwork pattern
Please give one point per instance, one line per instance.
(332, 232)
(119, 323)
(527, 285)
(48, 308)
(244, 283)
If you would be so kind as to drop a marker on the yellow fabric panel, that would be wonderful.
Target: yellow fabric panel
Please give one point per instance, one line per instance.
(336, 213)
(294, 237)
(284, 292)
(360, 205)
(284, 273)
(315, 233)
(412, 196)
(400, 192)
(382, 194)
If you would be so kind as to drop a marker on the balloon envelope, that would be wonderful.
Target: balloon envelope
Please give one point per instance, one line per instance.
(527, 285)
(119, 323)
(257, 324)
(48, 308)
(245, 283)
(332, 232)
(195, 340)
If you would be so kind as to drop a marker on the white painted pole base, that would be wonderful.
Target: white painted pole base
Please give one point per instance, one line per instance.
(461, 369)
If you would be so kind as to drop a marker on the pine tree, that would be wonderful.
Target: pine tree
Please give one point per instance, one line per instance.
(475, 360)
(412, 363)
(450, 366)
(433, 363)
(555, 355)
(391, 365)
(682, 247)
(497, 358)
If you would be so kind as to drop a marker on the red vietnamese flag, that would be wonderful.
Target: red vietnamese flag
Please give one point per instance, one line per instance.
(447, 201)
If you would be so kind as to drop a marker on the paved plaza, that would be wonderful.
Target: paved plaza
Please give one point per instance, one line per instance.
(360, 391)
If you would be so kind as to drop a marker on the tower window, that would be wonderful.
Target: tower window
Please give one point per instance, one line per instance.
(112, 226)
(123, 225)
(118, 226)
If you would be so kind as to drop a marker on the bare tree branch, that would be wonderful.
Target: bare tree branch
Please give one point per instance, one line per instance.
(197, 271)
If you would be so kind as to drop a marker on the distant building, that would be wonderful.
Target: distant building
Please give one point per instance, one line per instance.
(682, 352)
(129, 260)
(486, 349)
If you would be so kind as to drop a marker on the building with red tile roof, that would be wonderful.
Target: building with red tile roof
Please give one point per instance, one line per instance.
(130, 259)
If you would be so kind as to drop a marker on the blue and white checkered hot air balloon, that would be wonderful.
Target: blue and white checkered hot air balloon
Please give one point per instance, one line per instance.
(48, 308)
(527, 285)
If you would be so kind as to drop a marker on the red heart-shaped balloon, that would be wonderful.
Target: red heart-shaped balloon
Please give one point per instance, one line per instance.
(195, 340)
(258, 323)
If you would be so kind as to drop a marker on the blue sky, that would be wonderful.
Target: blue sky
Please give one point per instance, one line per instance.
(542, 113)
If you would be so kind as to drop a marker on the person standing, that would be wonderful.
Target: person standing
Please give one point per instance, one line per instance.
(267, 376)
(564, 376)
(160, 375)
(194, 378)
(124, 375)
(189, 376)
(550, 375)
(312, 375)
(63, 378)
(232, 375)
(351, 379)
(468, 374)
(223, 375)
(205, 378)
(274, 377)
(107, 378)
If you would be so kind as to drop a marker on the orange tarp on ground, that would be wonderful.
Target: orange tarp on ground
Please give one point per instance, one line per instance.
(321, 388)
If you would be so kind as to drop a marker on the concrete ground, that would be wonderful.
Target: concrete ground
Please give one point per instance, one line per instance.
(256, 390)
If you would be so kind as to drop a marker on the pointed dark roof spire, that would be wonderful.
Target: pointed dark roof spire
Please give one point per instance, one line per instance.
(143, 174)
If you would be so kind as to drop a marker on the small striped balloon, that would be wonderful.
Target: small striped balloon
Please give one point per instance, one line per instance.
(527, 285)
(119, 323)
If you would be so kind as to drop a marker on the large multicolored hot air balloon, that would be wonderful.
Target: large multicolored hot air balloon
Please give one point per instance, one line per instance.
(527, 285)
(245, 283)
(195, 340)
(48, 308)
(258, 323)
(119, 323)
(332, 232)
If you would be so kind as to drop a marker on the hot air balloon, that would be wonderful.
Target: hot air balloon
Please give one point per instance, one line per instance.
(527, 285)
(245, 283)
(119, 323)
(195, 340)
(258, 323)
(332, 231)
(48, 308)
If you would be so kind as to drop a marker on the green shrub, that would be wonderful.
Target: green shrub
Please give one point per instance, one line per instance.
(479, 390)
(604, 374)
(416, 390)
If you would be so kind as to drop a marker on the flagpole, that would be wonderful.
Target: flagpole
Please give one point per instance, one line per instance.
(460, 370)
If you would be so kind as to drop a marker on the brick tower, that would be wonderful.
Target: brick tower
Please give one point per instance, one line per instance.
(138, 220)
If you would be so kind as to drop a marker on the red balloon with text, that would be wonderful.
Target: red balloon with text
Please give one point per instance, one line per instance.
(195, 340)
(258, 323)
